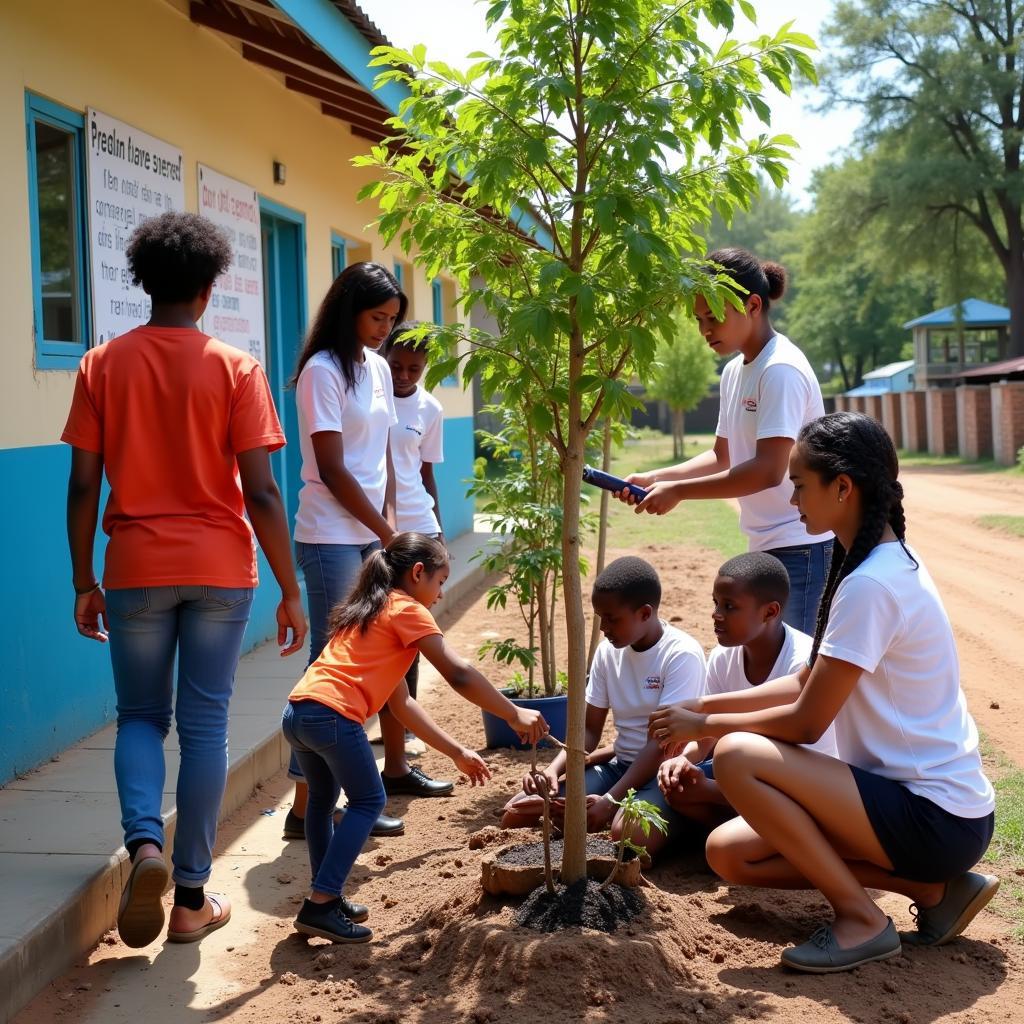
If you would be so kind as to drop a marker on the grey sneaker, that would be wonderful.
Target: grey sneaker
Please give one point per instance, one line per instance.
(821, 954)
(964, 897)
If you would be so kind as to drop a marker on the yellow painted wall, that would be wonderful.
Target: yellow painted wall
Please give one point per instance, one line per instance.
(145, 63)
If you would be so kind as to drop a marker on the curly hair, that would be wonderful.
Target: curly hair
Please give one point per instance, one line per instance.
(857, 446)
(760, 574)
(175, 256)
(634, 581)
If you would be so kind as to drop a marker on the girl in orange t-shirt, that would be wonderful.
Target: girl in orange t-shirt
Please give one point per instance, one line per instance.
(375, 635)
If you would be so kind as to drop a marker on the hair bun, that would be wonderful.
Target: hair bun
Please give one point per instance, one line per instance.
(776, 275)
(897, 490)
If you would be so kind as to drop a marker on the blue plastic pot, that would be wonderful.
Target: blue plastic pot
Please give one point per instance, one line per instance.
(497, 733)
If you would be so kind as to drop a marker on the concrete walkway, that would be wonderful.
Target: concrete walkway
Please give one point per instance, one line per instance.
(62, 865)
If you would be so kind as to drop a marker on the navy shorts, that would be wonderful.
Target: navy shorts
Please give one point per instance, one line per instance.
(924, 842)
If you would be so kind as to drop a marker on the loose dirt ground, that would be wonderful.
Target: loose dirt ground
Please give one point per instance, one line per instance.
(701, 951)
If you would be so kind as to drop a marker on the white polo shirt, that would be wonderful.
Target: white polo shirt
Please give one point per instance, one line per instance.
(636, 683)
(774, 395)
(416, 438)
(907, 717)
(363, 416)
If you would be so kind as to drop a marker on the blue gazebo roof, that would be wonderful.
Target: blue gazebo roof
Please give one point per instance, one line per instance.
(973, 312)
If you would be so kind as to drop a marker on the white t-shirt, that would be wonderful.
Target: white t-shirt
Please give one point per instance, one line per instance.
(727, 674)
(635, 683)
(907, 718)
(363, 416)
(772, 396)
(417, 438)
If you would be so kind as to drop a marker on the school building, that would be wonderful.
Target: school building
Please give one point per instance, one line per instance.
(248, 111)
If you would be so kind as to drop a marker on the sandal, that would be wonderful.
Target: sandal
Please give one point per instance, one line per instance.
(221, 916)
(140, 915)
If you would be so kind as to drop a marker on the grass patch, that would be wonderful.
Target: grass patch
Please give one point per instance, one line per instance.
(923, 460)
(1006, 853)
(1004, 524)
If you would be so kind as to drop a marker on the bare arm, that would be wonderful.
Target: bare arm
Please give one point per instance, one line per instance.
(804, 720)
(430, 486)
(474, 686)
(715, 460)
(391, 492)
(270, 524)
(84, 483)
(329, 452)
(766, 469)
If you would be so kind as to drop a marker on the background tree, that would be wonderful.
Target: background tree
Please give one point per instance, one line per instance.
(684, 369)
(619, 128)
(942, 91)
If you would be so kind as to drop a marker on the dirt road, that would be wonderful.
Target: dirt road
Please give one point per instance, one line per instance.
(980, 574)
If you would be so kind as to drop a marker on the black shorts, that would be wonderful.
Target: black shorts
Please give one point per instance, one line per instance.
(924, 842)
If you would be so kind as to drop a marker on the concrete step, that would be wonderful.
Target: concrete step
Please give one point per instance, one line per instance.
(62, 865)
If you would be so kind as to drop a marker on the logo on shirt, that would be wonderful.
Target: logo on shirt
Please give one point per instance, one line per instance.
(415, 430)
(378, 392)
(652, 683)
(750, 404)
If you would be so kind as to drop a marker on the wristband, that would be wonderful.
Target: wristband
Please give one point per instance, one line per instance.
(87, 590)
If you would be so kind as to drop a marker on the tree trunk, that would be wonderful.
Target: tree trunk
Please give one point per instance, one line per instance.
(602, 535)
(1015, 298)
(677, 434)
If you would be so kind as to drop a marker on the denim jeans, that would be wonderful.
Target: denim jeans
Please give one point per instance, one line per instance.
(330, 571)
(148, 626)
(334, 754)
(807, 565)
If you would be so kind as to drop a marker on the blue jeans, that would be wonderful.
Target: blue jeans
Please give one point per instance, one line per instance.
(330, 571)
(807, 565)
(334, 754)
(148, 627)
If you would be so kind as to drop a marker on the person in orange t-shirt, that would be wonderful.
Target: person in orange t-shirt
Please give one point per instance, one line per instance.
(183, 425)
(376, 633)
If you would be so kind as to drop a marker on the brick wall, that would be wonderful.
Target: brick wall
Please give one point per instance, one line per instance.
(974, 421)
(941, 405)
(891, 418)
(913, 421)
(1007, 421)
(873, 406)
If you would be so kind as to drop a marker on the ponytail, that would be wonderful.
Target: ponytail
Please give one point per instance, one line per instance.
(381, 573)
(754, 277)
(856, 446)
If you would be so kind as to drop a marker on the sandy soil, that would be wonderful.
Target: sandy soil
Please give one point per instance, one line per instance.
(442, 952)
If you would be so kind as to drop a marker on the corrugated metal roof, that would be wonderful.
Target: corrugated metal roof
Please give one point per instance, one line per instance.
(1006, 367)
(972, 312)
(889, 370)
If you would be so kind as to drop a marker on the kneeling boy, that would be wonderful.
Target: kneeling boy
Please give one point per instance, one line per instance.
(642, 664)
(754, 646)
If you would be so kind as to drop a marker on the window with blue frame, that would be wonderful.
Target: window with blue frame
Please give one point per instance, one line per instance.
(398, 275)
(338, 255)
(57, 197)
(437, 294)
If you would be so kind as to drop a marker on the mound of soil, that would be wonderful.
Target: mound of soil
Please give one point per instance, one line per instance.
(581, 905)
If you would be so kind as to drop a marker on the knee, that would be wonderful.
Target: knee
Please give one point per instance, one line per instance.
(737, 754)
(724, 858)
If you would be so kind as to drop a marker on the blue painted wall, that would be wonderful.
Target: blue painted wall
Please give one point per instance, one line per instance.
(55, 687)
(452, 474)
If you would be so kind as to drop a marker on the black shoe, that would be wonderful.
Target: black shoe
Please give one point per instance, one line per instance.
(295, 827)
(329, 921)
(416, 782)
(356, 912)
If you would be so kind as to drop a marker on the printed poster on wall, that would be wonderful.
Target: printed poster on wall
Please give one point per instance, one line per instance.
(235, 313)
(132, 176)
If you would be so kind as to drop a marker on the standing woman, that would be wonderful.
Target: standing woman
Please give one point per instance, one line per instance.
(907, 807)
(183, 426)
(768, 392)
(344, 394)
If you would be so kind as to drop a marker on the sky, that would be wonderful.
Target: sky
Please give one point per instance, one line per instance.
(451, 29)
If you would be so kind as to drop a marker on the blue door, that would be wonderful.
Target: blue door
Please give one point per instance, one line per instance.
(284, 277)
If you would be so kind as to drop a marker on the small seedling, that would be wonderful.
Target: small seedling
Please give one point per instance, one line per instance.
(635, 814)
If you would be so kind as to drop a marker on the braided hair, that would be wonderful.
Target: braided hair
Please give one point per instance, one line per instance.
(381, 573)
(858, 446)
